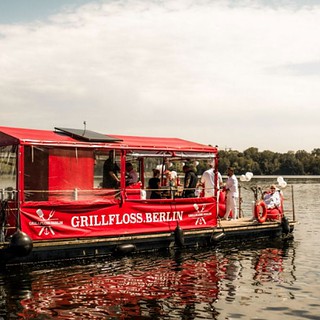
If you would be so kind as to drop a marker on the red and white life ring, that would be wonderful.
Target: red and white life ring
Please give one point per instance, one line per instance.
(261, 216)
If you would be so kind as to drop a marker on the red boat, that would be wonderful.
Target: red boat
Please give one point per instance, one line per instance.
(56, 202)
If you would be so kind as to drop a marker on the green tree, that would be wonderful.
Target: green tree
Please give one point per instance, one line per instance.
(270, 163)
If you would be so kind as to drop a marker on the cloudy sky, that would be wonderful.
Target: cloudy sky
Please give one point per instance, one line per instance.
(236, 74)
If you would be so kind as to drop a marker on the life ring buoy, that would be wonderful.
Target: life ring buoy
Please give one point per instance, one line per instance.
(257, 211)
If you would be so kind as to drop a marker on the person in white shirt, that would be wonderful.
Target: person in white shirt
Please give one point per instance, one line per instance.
(207, 181)
(272, 198)
(171, 178)
(232, 192)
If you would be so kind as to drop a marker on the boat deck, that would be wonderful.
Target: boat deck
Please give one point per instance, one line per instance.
(248, 227)
(247, 223)
(241, 222)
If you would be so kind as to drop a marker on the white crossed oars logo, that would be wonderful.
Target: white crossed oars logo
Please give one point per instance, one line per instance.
(45, 228)
(200, 220)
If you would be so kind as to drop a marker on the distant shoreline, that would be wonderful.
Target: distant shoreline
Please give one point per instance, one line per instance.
(287, 176)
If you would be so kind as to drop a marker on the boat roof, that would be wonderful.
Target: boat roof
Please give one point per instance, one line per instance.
(73, 137)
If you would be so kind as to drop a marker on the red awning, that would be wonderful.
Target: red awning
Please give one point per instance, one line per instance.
(53, 138)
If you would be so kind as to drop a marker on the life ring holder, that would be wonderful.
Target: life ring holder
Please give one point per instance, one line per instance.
(260, 205)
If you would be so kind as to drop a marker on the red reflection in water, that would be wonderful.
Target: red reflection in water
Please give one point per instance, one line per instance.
(269, 265)
(117, 295)
(169, 287)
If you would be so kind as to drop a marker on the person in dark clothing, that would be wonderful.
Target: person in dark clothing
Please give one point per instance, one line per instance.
(110, 171)
(190, 182)
(154, 185)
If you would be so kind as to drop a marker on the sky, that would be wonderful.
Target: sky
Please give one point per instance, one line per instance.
(236, 74)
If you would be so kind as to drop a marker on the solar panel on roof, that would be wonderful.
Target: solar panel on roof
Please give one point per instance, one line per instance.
(87, 135)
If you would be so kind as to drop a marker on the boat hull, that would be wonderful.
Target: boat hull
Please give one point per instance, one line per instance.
(90, 248)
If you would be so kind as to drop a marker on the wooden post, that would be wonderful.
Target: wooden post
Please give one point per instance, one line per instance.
(240, 201)
(293, 209)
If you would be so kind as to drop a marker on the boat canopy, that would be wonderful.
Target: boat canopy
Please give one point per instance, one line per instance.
(160, 146)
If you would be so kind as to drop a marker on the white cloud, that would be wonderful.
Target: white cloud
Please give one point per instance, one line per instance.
(198, 70)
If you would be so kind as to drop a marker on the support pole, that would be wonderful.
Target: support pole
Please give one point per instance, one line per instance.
(293, 209)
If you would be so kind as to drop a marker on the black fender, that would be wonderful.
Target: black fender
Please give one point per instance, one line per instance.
(285, 225)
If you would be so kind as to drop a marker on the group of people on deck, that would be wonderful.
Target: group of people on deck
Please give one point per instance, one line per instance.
(271, 197)
(110, 173)
(171, 181)
(191, 184)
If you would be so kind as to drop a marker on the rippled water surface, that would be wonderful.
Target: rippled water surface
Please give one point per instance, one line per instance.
(263, 280)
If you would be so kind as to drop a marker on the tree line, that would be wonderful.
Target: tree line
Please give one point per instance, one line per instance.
(270, 163)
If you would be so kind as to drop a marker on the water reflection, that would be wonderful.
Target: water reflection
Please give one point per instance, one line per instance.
(14, 287)
(237, 281)
(183, 285)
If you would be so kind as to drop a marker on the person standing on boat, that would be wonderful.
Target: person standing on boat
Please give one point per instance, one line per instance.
(190, 182)
(170, 183)
(110, 171)
(232, 192)
(207, 181)
(154, 185)
(132, 175)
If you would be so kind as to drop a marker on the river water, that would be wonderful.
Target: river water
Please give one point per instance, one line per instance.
(262, 280)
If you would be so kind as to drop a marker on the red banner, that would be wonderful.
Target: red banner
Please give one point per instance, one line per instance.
(48, 221)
